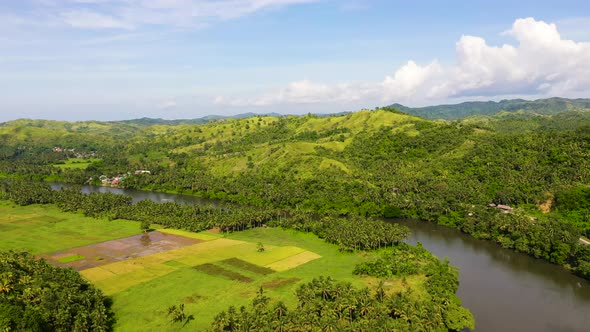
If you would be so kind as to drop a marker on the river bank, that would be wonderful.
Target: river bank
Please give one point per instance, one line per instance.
(505, 290)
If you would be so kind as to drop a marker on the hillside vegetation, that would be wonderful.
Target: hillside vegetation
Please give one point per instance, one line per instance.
(380, 163)
(548, 106)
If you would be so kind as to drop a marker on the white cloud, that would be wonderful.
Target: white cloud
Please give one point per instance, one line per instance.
(92, 20)
(134, 14)
(303, 92)
(195, 13)
(541, 63)
(409, 79)
(127, 14)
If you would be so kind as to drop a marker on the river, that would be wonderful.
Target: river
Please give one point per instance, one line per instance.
(505, 290)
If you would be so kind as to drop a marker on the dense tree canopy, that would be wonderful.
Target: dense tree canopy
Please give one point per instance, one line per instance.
(325, 304)
(36, 296)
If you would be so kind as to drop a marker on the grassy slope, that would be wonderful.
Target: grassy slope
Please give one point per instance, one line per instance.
(43, 229)
(193, 139)
(65, 134)
(278, 154)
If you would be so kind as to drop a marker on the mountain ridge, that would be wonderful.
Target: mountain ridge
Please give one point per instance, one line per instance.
(545, 106)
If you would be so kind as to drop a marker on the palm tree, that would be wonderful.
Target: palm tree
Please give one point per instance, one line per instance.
(5, 285)
(221, 321)
(280, 310)
(6, 282)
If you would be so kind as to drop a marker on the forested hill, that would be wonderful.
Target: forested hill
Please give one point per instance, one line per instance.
(381, 162)
(202, 120)
(548, 106)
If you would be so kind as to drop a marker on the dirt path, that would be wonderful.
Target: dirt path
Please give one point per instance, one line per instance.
(583, 241)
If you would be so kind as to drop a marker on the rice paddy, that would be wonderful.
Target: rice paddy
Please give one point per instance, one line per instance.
(130, 262)
(147, 273)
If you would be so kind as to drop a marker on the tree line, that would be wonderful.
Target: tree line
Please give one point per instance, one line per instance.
(350, 234)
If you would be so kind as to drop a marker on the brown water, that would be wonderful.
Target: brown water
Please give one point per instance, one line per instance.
(505, 290)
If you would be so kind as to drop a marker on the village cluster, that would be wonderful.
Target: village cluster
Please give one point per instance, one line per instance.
(116, 180)
(75, 154)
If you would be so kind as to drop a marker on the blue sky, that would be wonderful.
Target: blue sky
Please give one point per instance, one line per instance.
(121, 59)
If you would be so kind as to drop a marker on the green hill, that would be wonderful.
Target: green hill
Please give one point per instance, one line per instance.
(202, 120)
(382, 162)
(548, 106)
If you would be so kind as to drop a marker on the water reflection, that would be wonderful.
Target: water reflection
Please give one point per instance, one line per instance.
(139, 195)
(507, 290)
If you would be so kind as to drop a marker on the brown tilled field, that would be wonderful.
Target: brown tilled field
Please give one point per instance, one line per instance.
(98, 254)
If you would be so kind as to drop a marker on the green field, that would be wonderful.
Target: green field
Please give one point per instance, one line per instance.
(42, 229)
(71, 258)
(76, 163)
(231, 274)
(207, 277)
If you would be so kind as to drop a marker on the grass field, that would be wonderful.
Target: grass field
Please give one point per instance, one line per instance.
(42, 229)
(207, 277)
(76, 163)
(228, 271)
(71, 258)
(220, 255)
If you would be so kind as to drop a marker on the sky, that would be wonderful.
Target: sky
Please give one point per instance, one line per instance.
(175, 59)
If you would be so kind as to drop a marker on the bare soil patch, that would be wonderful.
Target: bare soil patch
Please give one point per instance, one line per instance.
(218, 271)
(243, 265)
(194, 298)
(119, 250)
(279, 282)
(545, 207)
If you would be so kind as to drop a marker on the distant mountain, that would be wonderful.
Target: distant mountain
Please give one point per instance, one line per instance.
(205, 119)
(548, 106)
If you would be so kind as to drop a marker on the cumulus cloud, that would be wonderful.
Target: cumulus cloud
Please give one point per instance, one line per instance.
(540, 63)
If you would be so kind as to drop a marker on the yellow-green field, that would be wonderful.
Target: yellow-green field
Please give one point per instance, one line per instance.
(207, 277)
(210, 276)
(116, 277)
